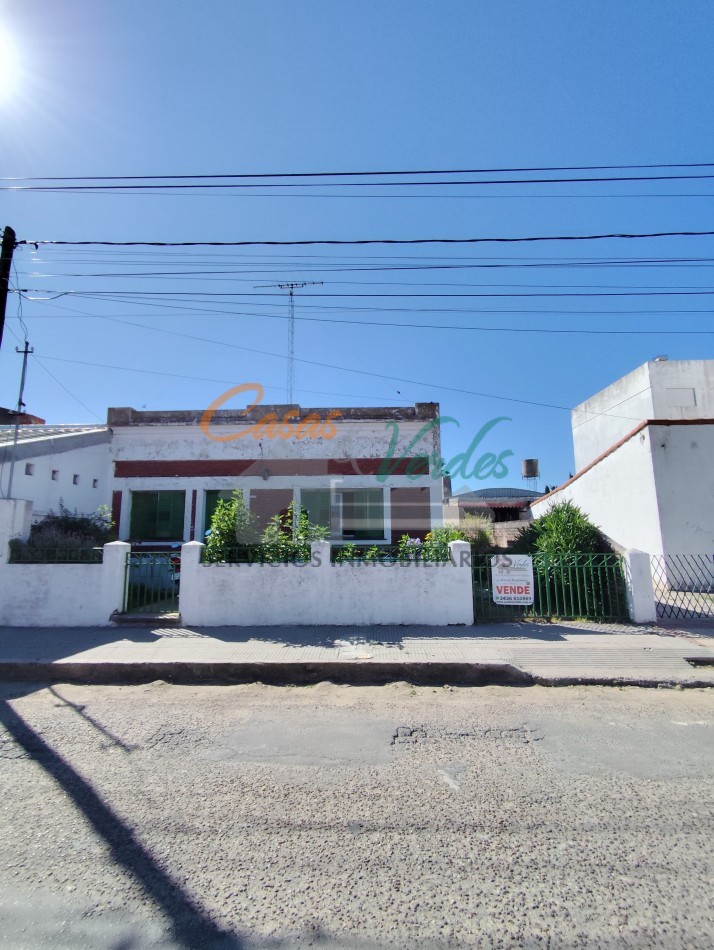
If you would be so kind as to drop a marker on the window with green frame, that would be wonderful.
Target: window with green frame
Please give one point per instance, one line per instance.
(157, 515)
(359, 514)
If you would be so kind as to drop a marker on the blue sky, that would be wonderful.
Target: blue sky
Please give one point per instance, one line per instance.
(165, 88)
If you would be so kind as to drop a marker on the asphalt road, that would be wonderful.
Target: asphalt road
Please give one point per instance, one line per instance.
(250, 816)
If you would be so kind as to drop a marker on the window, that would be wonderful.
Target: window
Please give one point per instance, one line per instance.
(55, 474)
(362, 514)
(351, 515)
(95, 483)
(157, 515)
(29, 468)
(75, 479)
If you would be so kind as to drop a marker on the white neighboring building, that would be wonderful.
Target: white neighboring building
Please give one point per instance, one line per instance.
(644, 453)
(53, 464)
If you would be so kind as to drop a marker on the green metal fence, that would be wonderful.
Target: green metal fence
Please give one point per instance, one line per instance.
(152, 582)
(570, 586)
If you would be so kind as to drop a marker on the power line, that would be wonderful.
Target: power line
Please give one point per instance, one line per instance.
(439, 326)
(209, 379)
(351, 174)
(348, 369)
(103, 189)
(122, 295)
(371, 241)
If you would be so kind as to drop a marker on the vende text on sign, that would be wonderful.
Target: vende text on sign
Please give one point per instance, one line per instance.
(512, 578)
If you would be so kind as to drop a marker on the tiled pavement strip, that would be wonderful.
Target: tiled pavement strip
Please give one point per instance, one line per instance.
(554, 652)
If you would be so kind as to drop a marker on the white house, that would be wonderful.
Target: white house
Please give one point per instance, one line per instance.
(51, 465)
(644, 454)
(369, 474)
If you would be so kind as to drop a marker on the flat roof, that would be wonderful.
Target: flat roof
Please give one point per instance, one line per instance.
(126, 416)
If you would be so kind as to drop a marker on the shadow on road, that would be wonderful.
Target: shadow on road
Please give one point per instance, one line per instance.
(190, 925)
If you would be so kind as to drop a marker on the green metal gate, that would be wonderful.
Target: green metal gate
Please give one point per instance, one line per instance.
(152, 582)
(570, 586)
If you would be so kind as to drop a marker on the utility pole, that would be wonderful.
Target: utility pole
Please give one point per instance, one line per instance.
(291, 287)
(20, 406)
(8, 246)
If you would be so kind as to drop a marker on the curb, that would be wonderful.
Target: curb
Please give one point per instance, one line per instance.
(302, 674)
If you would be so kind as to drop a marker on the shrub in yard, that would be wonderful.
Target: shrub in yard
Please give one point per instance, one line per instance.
(288, 536)
(565, 529)
(65, 531)
(94, 529)
(232, 525)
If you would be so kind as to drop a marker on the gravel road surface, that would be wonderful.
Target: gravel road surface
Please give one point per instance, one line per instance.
(250, 816)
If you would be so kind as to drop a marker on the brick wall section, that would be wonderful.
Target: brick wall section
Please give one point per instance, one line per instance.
(411, 512)
(506, 532)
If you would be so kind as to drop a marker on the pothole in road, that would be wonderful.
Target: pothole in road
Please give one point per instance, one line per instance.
(405, 737)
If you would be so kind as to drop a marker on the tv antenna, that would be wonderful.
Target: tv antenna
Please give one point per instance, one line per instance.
(291, 287)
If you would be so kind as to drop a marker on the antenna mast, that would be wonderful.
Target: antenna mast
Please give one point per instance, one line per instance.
(291, 287)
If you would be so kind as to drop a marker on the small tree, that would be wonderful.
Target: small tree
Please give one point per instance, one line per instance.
(232, 524)
(565, 529)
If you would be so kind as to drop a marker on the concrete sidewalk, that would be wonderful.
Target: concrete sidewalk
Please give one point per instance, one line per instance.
(519, 653)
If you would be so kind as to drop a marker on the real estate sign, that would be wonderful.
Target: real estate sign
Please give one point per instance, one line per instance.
(512, 578)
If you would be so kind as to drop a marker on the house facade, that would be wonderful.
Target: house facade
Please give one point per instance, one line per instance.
(368, 474)
(644, 452)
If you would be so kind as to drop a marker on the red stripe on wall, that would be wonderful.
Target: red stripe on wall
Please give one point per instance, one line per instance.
(196, 468)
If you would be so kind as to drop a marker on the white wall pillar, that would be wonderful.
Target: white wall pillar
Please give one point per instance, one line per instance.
(114, 573)
(190, 591)
(460, 609)
(320, 554)
(640, 589)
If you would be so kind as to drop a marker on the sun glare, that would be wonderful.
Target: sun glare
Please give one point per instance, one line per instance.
(9, 68)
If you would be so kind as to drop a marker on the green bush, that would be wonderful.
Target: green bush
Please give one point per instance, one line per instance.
(565, 529)
(65, 531)
(288, 536)
(93, 529)
(232, 525)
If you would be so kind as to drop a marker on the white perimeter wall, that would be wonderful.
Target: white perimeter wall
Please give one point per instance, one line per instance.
(56, 595)
(325, 593)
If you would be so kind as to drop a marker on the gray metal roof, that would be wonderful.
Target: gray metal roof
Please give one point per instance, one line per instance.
(44, 432)
(36, 441)
(483, 494)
